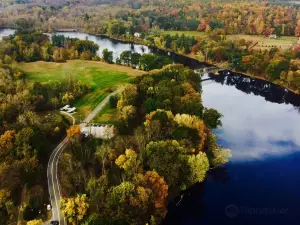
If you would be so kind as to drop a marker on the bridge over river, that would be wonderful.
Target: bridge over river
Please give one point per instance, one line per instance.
(206, 70)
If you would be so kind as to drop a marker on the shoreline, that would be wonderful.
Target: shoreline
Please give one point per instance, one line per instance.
(209, 63)
(203, 62)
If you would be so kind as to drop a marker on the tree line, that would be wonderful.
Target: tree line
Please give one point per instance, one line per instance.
(26, 138)
(241, 17)
(28, 47)
(28, 130)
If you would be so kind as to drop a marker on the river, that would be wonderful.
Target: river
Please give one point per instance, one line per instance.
(261, 124)
(5, 32)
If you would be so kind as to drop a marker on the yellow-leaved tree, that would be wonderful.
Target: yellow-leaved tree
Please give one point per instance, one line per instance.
(75, 208)
(35, 222)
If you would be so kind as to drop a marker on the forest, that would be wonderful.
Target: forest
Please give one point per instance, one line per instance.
(165, 105)
(163, 146)
(235, 17)
(29, 129)
(216, 26)
(164, 141)
(160, 110)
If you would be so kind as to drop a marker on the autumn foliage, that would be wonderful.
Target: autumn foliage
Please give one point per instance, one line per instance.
(158, 186)
(74, 209)
(73, 131)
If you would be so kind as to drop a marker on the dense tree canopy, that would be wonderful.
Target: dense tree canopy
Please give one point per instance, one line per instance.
(158, 151)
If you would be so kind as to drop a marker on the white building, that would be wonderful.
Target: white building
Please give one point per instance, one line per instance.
(103, 132)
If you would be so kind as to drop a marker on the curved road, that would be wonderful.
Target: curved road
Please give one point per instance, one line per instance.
(53, 182)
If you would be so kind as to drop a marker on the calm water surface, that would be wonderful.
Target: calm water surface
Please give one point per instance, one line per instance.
(6, 32)
(261, 124)
(260, 185)
(112, 45)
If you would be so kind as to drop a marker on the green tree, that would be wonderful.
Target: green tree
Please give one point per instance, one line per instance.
(197, 166)
(107, 55)
(86, 45)
(128, 202)
(276, 67)
(148, 62)
(59, 55)
(127, 112)
(216, 155)
(125, 57)
(97, 190)
(135, 59)
(150, 105)
(212, 118)
(7, 59)
(165, 157)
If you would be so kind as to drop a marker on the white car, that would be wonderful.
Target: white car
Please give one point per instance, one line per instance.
(66, 107)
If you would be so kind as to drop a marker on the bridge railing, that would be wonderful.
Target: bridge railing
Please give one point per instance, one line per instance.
(204, 70)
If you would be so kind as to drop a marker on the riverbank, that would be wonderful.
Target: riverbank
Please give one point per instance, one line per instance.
(222, 65)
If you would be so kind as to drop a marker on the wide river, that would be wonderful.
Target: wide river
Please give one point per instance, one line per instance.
(261, 124)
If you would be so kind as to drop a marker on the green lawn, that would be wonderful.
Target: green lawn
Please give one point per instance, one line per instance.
(107, 116)
(101, 77)
(283, 42)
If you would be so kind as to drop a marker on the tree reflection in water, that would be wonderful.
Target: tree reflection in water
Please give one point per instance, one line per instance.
(271, 92)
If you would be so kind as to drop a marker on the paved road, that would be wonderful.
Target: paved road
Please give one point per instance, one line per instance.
(53, 182)
(69, 115)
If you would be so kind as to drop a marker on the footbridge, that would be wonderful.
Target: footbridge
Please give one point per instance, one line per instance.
(204, 70)
(212, 69)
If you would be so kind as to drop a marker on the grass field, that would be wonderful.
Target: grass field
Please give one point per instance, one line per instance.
(101, 77)
(266, 43)
(107, 116)
(283, 42)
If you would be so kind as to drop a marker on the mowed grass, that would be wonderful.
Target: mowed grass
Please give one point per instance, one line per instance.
(107, 116)
(283, 42)
(101, 77)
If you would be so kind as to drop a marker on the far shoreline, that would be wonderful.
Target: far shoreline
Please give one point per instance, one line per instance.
(139, 42)
(202, 62)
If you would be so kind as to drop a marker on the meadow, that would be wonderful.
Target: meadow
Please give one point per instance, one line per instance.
(101, 77)
(107, 116)
(283, 42)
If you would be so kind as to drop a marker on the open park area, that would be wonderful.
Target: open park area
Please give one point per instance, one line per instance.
(260, 41)
(101, 77)
(265, 42)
